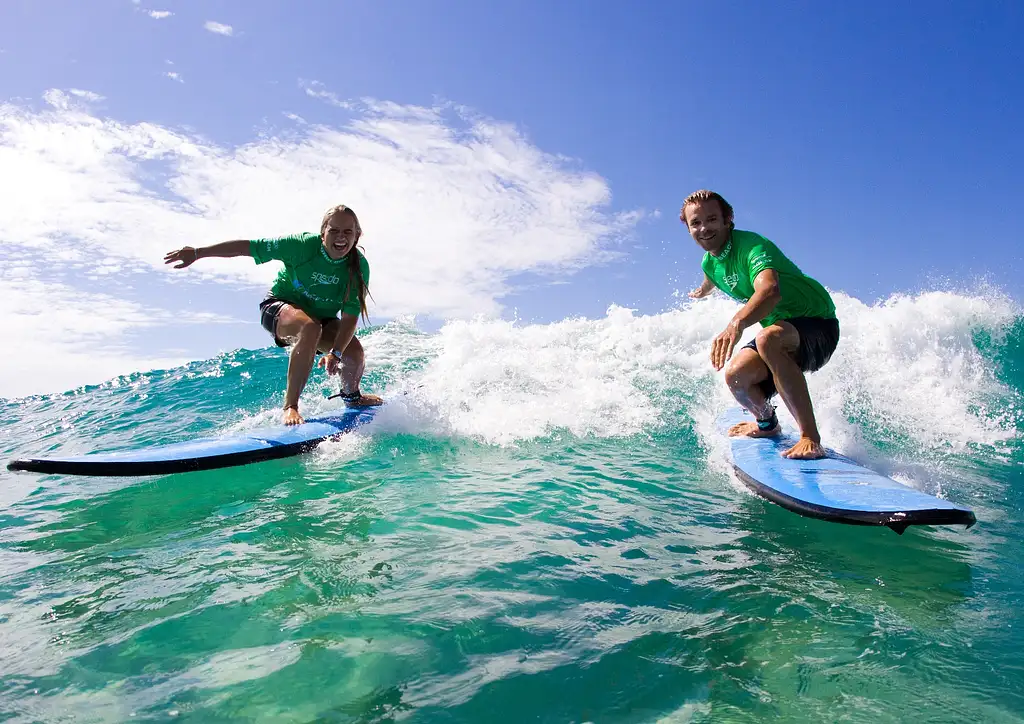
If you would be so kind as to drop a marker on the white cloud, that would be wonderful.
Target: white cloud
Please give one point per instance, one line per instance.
(174, 75)
(316, 89)
(86, 95)
(219, 28)
(61, 337)
(160, 14)
(452, 206)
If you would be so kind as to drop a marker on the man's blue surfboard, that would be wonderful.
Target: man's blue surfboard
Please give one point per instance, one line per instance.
(206, 453)
(834, 488)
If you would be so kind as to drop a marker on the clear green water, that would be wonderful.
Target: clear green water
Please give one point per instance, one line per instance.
(539, 527)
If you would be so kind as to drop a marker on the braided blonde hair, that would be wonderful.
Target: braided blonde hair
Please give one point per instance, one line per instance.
(354, 272)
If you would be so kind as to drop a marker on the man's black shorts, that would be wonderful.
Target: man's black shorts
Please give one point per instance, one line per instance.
(818, 340)
(270, 308)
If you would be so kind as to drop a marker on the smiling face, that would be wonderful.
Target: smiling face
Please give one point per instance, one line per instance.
(340, 234)
(707, 224)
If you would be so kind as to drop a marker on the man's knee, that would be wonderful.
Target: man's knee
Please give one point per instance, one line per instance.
(744, 371)
(773, 343)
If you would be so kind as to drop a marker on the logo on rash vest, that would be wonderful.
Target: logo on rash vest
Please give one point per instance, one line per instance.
(323, 278)
(732, 280)
(761, 260)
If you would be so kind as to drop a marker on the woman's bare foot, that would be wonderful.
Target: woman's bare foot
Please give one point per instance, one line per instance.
(750, 429)
(806, 449)
(291, 416)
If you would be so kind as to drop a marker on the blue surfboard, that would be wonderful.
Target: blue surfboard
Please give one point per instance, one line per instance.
(834, 488)
(206, 453)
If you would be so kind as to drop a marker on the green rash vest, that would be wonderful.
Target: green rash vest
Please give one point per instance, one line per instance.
(311, 280)
(746, 255)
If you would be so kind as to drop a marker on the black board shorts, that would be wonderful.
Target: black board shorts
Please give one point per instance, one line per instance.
(270, 308)
(819, 338)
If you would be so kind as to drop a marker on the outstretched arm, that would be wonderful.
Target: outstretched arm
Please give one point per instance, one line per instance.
(188, 255)
(705, 288)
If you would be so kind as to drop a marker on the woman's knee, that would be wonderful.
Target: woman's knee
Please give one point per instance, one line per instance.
(354, 350)
(297, 325)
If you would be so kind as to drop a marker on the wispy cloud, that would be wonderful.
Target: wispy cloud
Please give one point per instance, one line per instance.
(160, 14)
(316, 89)
(68, 337)
(219, 28)
(174, 75)
(86, 95)
(452, 206)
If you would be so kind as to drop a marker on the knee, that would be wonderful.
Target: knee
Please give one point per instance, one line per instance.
(738, 376)
(310, 331)
(354, 350)
(770, 342)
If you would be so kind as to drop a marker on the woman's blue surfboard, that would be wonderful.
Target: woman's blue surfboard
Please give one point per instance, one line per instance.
(834, 488)
(206, 453)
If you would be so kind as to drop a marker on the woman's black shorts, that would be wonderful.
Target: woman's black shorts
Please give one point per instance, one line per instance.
(270, 308)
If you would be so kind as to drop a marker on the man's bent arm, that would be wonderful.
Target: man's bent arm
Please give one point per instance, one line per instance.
(767, 295)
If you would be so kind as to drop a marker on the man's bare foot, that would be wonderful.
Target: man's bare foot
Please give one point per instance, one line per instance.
(365, 401)
(291, 416)
(806, 449)
(750, 429)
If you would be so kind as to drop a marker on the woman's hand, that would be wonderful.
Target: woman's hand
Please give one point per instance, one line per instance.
(185, 256)
(331, 362)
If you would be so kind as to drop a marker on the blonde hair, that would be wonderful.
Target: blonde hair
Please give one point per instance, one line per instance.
(703, 195)
(354, 272)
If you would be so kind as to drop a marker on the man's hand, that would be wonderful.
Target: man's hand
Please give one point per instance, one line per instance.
(706, 287)
(722, 347)
(185, 256)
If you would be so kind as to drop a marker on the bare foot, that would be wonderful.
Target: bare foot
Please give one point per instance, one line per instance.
(365, 401)
(805, 449)
(292, 417)
(750, 429)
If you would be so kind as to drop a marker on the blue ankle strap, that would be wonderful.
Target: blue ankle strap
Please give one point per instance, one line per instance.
(770, 423)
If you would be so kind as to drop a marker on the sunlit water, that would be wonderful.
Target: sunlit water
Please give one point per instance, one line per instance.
(539, 526)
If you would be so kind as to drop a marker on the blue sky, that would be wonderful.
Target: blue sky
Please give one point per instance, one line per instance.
(521, 158)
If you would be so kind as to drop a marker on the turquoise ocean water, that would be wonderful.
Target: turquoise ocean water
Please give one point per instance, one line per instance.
(539, 527)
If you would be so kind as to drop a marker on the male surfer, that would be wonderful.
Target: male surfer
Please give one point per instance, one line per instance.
(322, 275)
(798, 319)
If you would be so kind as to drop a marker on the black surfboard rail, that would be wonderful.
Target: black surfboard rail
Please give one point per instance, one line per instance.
(140, 468)
(255, 446)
